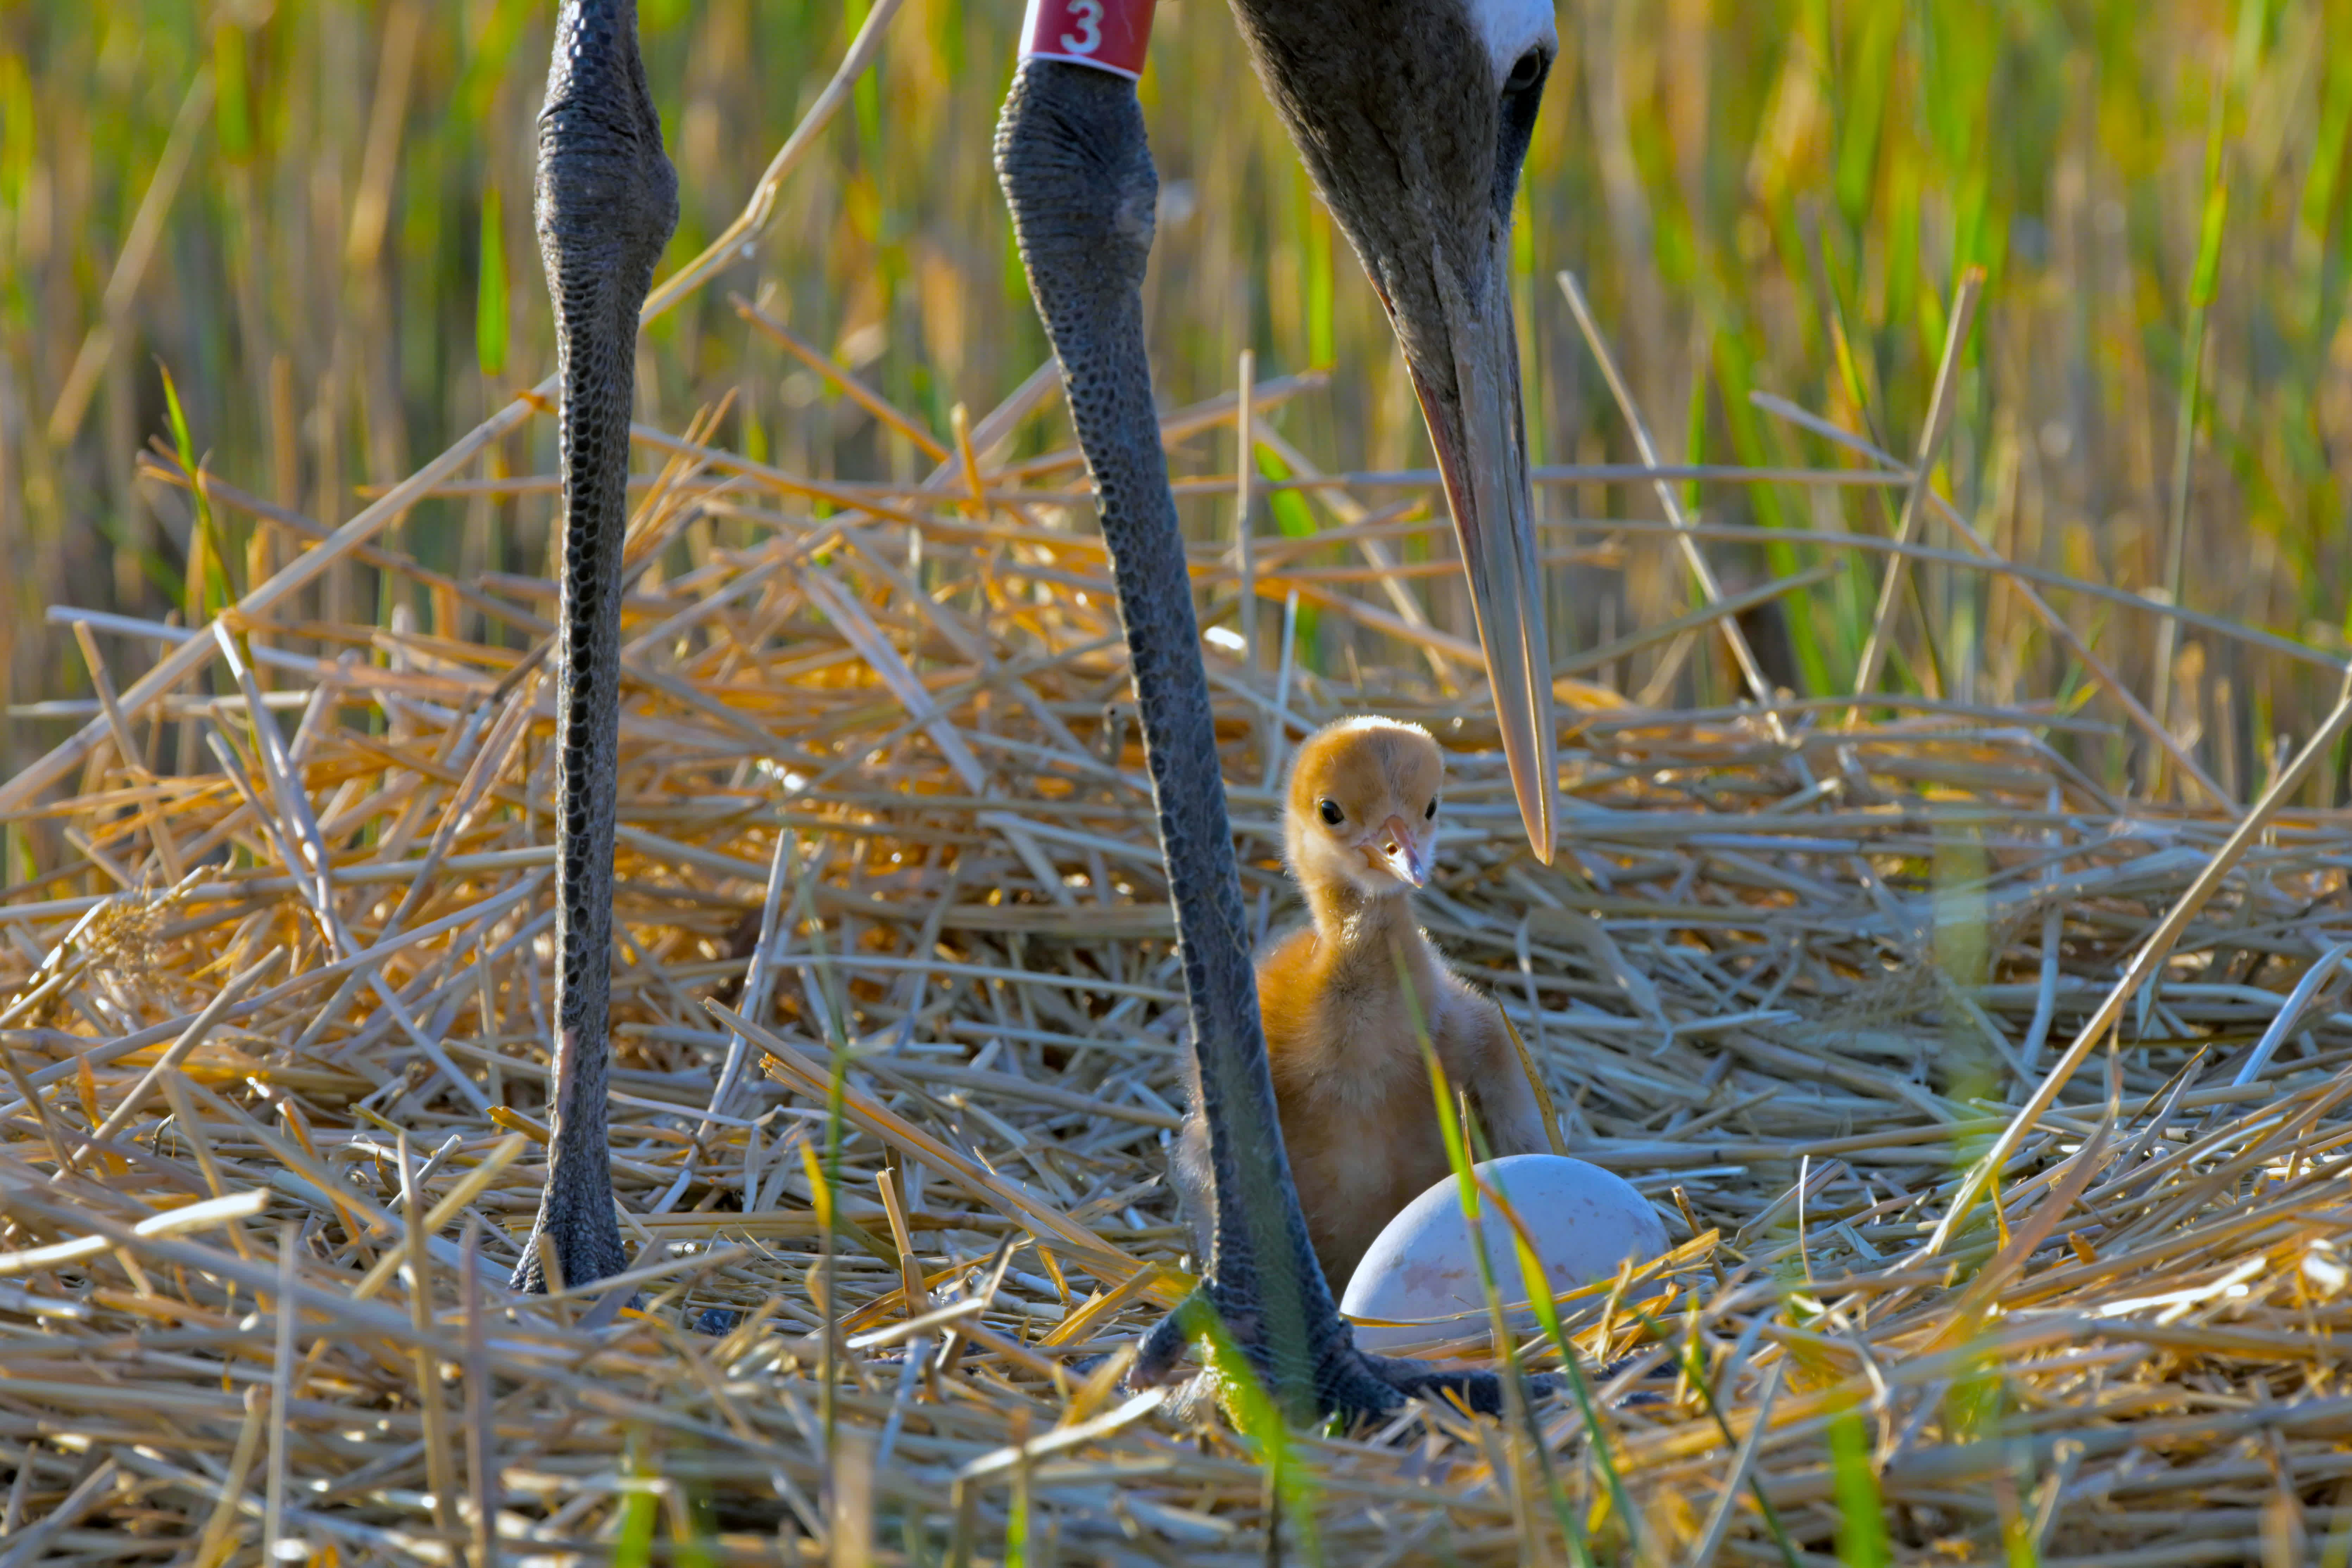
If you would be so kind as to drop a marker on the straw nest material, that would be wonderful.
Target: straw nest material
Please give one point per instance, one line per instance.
(277, 1055)
(1997, 1121)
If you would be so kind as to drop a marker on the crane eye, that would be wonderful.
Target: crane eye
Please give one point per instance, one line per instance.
(1431, 813)
(1332, 814)
(1526, 72)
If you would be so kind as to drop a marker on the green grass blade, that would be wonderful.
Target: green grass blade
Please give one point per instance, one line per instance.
(490, 288)
(206, 585)
(1457, 1131)
(1861, 1523)
(633, 1541)
(1253, 1411)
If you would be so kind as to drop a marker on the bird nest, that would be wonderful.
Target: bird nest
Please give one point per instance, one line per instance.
(897, 1028)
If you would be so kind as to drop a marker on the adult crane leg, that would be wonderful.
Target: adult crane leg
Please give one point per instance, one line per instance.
(607, 201)
(1071, 154)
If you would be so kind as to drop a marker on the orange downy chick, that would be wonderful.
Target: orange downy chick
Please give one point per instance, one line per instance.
(1358, 1119)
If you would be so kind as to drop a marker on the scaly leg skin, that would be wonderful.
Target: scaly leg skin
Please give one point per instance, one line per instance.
(607, 201)
(1077, 175)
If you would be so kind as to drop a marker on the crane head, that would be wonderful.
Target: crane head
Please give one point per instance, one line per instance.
(1413, 117)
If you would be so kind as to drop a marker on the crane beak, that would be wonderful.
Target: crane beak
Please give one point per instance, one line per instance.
(1480, 436)
(1395, 850)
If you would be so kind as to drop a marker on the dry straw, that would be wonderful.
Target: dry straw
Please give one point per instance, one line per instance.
(275, 1055)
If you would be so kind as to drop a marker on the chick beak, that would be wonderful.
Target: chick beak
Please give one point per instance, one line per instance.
(1394, 849)
(1479, 432)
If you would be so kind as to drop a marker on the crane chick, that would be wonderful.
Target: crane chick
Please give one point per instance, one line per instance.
(1358, 1119)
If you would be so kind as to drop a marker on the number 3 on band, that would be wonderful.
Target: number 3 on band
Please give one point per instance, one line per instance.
(1088, 37)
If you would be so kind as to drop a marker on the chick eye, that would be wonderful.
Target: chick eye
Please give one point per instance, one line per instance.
(1432, 813)
(1332, 814)
(1526, 72)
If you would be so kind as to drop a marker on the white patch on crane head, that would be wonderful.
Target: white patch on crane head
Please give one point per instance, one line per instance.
(1511, 28)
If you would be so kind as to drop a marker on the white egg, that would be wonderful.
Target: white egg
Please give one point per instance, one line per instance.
(1584, 1220)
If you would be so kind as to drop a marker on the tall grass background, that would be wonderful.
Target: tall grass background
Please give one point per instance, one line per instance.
(315, 216)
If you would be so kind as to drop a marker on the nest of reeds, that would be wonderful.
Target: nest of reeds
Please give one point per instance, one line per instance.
(898, 1030)
(1996, 1119)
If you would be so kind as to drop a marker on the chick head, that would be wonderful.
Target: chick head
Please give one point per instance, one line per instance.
(1361, 808)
